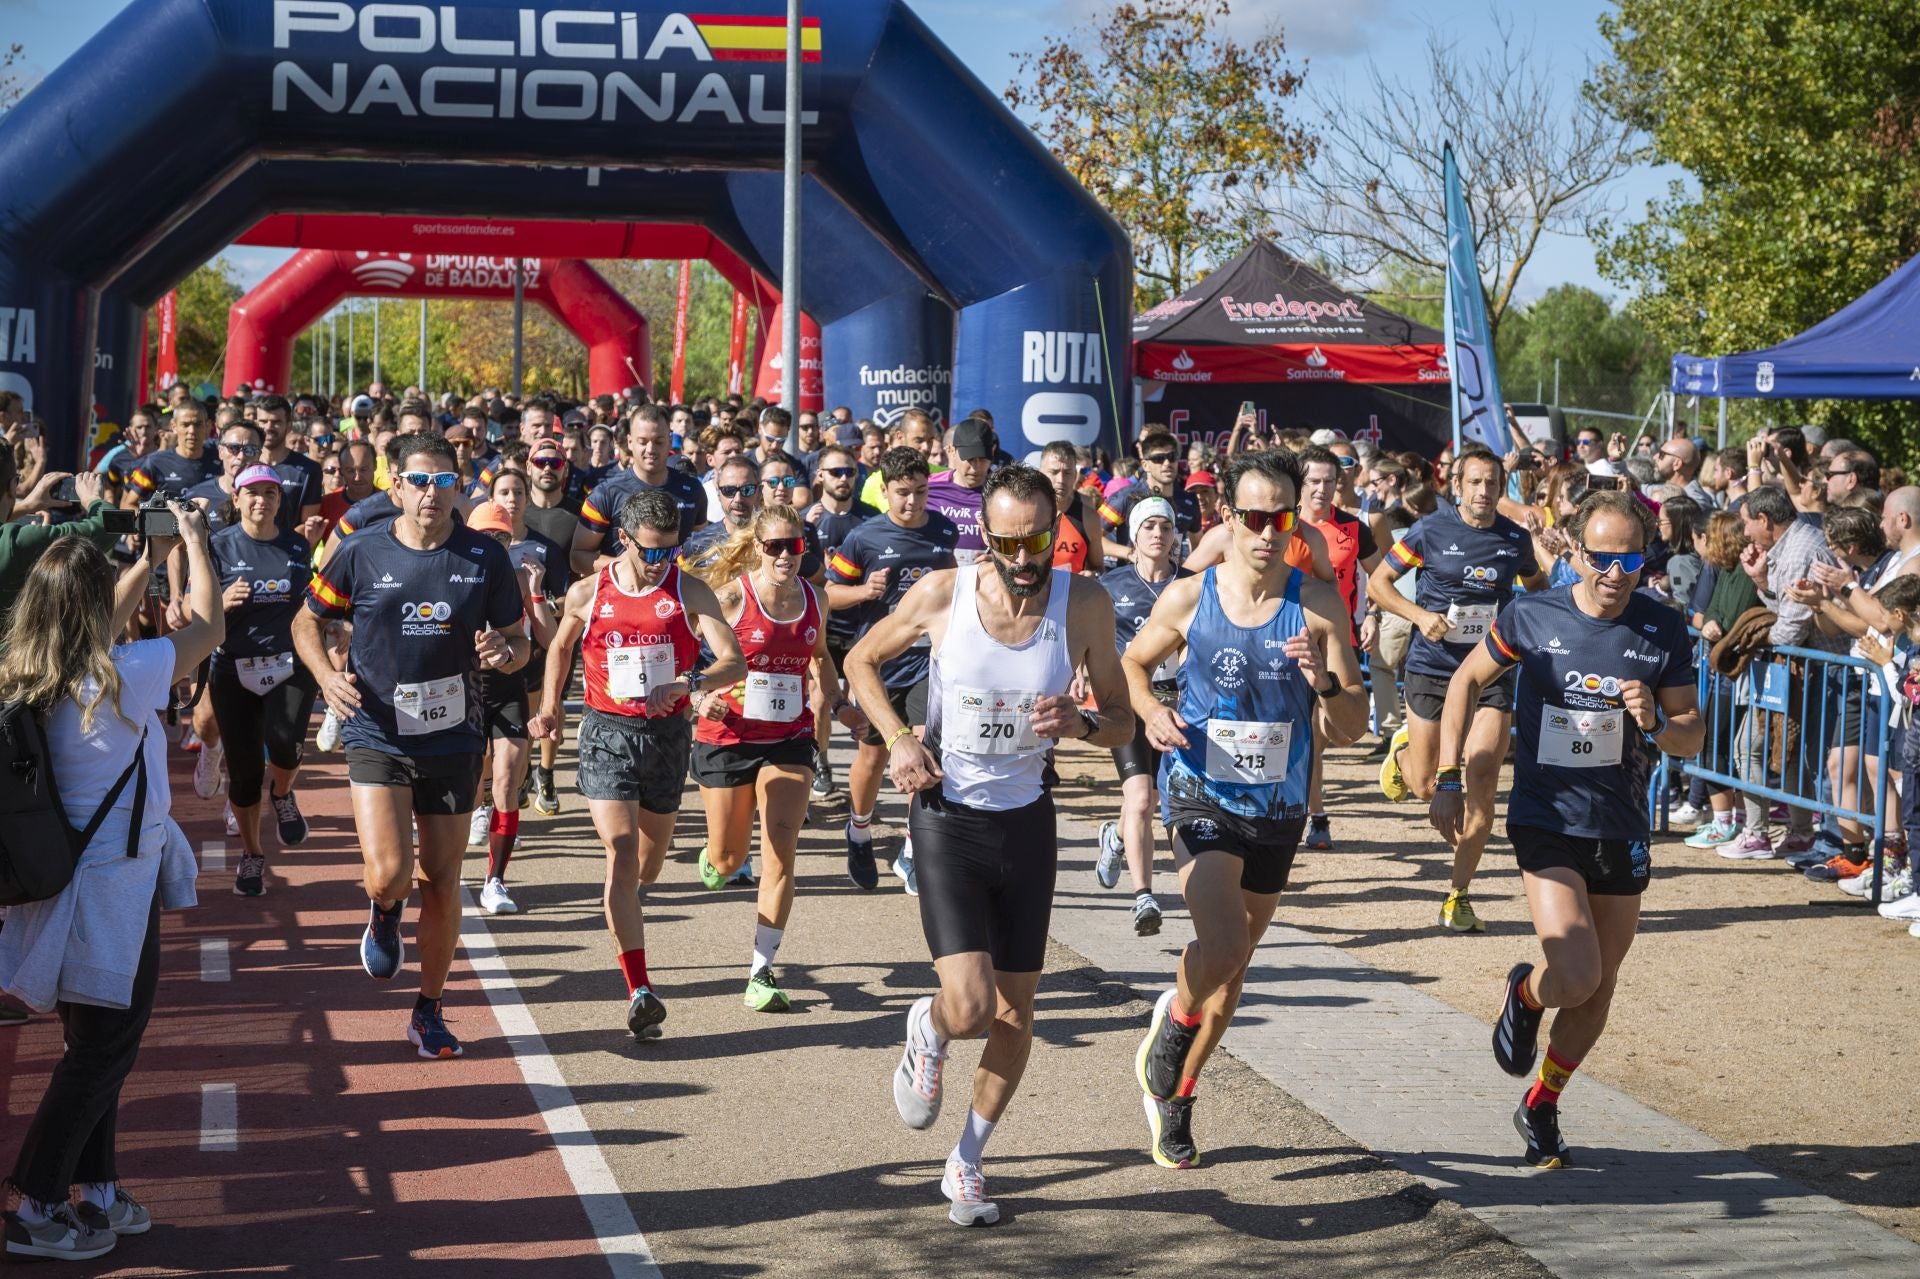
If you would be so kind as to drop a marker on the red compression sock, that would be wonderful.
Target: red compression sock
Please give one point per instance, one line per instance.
(1187, 1086)
(502, 832)
(1556, 1072)
(1184, 1020)
(633, 966)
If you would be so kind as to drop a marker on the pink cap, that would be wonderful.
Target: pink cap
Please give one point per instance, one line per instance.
(258, 473)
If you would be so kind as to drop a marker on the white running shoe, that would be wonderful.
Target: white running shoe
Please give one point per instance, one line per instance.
(1892, 887)
(329, 735)
(494, 899)
(909, 877)
(1685, 815)
(916, 1080)
(1907, 907)
(1113, 855)
(477, 828)
(966, 1189)
(207, 779)
(233, 823)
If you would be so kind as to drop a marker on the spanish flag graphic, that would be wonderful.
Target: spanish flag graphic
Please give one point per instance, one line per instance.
(737, 38)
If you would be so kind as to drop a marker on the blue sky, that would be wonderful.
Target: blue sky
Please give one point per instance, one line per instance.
(1334, 37)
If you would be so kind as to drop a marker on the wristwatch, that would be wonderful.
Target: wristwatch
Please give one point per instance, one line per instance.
(1092, 722)
(1328, 694)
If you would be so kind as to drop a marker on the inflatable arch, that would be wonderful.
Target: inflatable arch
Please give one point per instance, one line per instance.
(914, 148)
(263, 325)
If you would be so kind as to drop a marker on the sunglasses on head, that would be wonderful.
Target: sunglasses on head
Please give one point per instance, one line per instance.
(1256, 522)
(782, 481)
(1035, 544)
(1606, 561)
(838, 472)
(656, 554)
(738, 490)
(546, 463)
(431, 479)
(778, 546)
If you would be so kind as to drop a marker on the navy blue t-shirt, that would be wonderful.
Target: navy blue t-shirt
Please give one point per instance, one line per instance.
(601, 511)
(171, 475)
(1571, 775)
(300, 487)
(214, 498)
(908, 554)
(833, 529)
(414, 615)
(1460, 565)
(376, 508)
(279, 572)
(1113, 512)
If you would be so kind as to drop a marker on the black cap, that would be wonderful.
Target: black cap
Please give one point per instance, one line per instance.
(972, 438)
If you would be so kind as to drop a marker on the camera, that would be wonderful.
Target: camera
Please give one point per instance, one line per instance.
(153, 518)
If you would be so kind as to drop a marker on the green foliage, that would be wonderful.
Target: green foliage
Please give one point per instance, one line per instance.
(654, 287)
(1806, 176)
(200, 319)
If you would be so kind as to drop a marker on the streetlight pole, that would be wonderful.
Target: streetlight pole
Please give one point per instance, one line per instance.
(790, 237)
(423, 346)
(519, 323)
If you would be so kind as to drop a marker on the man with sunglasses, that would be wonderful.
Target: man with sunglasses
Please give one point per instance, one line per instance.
(866, 579)
(432, 604)
(1678, 462)
(956, 492)
(1469, 559)
(1004, 637)
(596, 542)
(833, 516)
(1159, 477)
(1605, 685)
(639, 623)
(1267, 650)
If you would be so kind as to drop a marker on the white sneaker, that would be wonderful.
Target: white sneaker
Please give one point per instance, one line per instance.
(1685, 815)
(477, 828)
(207, 781)
(966, 1189)
(233, 823)
(1892, 887)
(916, 1080)
(1113, 855)
(329, 735)
(1907, 907)
(494, 899)
(903, 867)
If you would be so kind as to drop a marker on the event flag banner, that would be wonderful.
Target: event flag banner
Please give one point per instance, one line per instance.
(1479, 414)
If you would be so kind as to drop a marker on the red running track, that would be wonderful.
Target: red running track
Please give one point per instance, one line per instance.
(351, 1154)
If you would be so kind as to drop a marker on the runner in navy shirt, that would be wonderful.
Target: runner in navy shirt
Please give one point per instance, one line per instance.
(300, 482)
(832, 518)
(172, 472)
(650, 444)
(1470, 558)
(432, 604)
(1605, 684)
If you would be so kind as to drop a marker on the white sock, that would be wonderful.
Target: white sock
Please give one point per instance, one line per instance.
(906, 848)
(859, 828)
(973, 1138)
(100, 1194)
(766, 945)
(928, 1033)
(34, 1213)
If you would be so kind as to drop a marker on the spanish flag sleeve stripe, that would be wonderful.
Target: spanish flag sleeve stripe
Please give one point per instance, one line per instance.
(344, 527)
(1111, 516)
(844, 567)
(328, 594)
(591, 514)
(142, 481)
(1498, 647)
(1405, 556)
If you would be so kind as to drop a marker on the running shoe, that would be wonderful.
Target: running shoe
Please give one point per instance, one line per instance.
(1171, 1122)
(966, 1189)
(709, 874)
(328, 737)
(428, 1032)
(1456, 913)
(645, 1012)
(1793, 845)
(1713, 835)
(494, 898)
(1686, 815)
(1835, 869)
(286, 811)
(1113, 855)
(1806, 861)
(250, 877)
(126, 1217)
(233, 823)
(764, 994)
(477, 826)
(1539, 1127)
(916, 1080)
(546, 800)
(381, 950)
(62, 1236)
(1516, 1032)
(1778, 813)
(822, 787)
(1146, 916)
(526, 790)
(1163, 1053)
(1392, 783)
(903, 868)
(743, 878)
(190, 741)
(862, 869)
(1907, 907)
(1893, 884)
(207, 781)
(1319, 834)
(1754, 846)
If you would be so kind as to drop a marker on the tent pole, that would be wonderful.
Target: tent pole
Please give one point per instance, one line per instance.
(1723, 422)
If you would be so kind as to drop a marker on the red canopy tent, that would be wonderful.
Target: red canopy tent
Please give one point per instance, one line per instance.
(1268, 328)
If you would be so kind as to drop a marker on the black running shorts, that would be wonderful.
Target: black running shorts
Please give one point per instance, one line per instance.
(1264, 845)
(1138, 756)
(722, 767)
(1427, 694)
(505, 719)
(910, 704)
(986, 879)
(442, 785)
(1610, 867)
(634, 760)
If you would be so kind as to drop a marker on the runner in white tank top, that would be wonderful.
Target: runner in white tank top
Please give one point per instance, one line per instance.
(1007, 634)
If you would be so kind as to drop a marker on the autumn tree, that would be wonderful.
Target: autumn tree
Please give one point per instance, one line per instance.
(202, 302)
(654, 287)
(1172, 125)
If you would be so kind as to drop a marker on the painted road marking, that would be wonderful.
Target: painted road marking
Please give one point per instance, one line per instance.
(219, 1117)
(213, 854)
(614, 1228)
(214, 964)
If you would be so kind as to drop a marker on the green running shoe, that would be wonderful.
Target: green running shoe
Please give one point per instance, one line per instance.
(764, 994)
(712, 878)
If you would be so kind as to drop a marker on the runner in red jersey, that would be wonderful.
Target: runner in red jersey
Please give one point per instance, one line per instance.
(754, 741)
(639, 624)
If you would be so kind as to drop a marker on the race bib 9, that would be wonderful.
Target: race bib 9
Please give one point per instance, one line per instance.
(634, 672)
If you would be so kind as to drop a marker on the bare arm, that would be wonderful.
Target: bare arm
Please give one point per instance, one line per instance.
(207, 621)
(583, 555)
(1162, 636)
(553, 684)
(1328, 628)
(710, 621)
(1090, 628)
(909, 763)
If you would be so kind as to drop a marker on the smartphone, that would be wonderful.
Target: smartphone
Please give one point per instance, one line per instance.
(1605, 482)
(1246, 408)
(65, 492)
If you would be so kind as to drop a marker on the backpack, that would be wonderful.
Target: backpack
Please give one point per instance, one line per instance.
(39, 849)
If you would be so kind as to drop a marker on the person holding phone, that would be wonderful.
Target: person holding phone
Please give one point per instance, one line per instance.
(22, 544)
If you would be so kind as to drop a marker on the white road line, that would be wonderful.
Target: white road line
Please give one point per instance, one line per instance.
(219, 1117)
(614, 1228)
(213, 854)
(214, 964)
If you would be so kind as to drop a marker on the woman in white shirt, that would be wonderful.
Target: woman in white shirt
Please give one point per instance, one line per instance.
(93, 951)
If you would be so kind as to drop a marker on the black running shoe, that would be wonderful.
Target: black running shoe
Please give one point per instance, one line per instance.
(1539, 1127)
(250, 879)
(1171, 1122)
(862, 869)
(545, 800)
(1517, 1031)
(1163, 1053)
(645, 1012)
(286, 812)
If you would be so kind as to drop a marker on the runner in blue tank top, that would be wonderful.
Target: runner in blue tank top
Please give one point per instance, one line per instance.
(1605, 685)
(1264, 643)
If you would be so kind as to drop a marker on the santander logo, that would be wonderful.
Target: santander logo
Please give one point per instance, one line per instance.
(1183, 361)
(1316, 359)
(384, 272)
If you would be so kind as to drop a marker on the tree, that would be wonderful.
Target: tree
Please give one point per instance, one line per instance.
(1805, 184)
(654, 287)
(1171, 125)
(202, 302)
(1535, 158)
(12, 88)
(1605, 358)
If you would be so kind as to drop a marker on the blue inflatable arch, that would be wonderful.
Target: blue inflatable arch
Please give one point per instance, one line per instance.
(908, 141)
